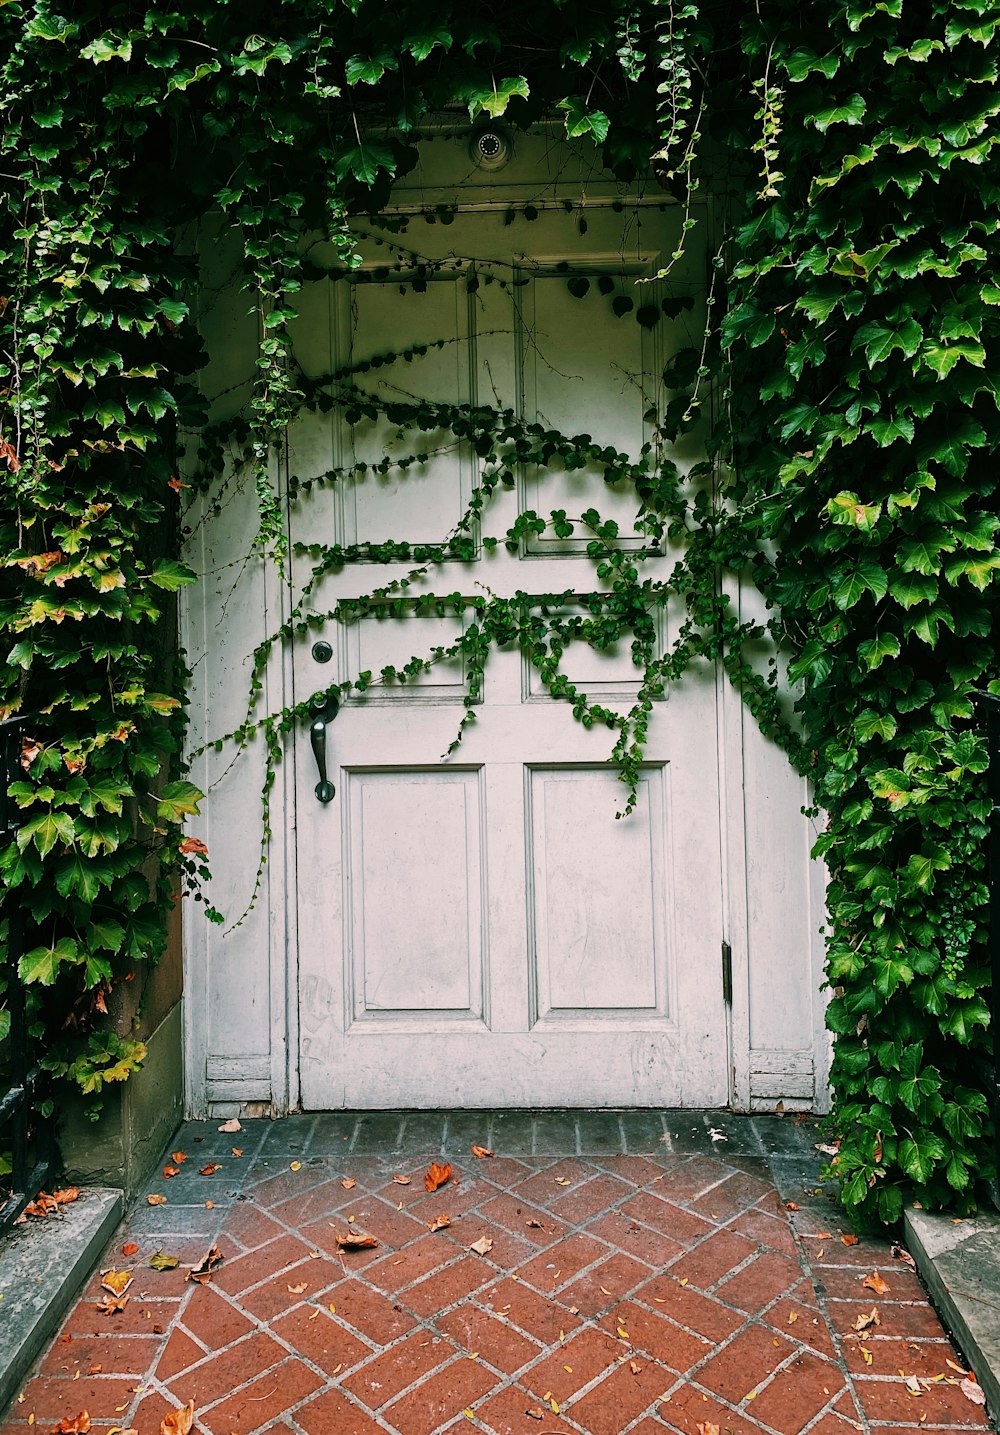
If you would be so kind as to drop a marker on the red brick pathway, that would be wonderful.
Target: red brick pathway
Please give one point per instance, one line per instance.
(663, 1292)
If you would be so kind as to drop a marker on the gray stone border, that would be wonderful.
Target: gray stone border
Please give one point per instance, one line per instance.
(43, 1264)
(960, 1265)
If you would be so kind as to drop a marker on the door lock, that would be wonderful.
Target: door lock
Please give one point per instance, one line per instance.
(325, 707)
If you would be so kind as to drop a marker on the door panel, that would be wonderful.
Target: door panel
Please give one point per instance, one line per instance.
(484, 929)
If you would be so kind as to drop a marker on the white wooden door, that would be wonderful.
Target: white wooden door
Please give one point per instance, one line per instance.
(483, 929)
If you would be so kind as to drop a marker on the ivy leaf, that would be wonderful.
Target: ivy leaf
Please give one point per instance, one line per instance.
(887, 431)
(42, 964)
(849, 113)
(496, 100)
(920, 1154)
(581, 120)
(177, 801)
(802, 63)
(51, 27)
(79, 876)
(847, 508)
(46, 830)
(369, 69)
(879, 341)
(963, 1017)
(865, 578)
(171, 575)
(942, 358)
(108, 47)
(105, 934)
(874, 651)
(871, 724)
(363, 162)
(420, 46)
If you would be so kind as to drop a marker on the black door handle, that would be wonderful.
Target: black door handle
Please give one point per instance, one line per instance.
(325, 707)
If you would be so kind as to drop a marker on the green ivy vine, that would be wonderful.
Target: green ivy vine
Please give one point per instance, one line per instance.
(859, 359)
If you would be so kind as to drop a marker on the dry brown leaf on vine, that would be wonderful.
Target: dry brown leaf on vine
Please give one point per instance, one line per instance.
(865, 1322)
(437, 1174)
(73, 1424)
(178, 1422)
(156, 1199)
(482, 1152)
(357, 1241)
(117, 1282)
(972, 1390)
(202, 1272)
(439, 1223)
(112, 1304)
(875, 1283)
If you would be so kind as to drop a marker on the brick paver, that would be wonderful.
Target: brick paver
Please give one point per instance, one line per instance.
(644, 1276)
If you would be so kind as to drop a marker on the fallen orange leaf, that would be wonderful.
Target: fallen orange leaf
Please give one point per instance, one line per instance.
(705, 1427)
(67, 1194)
(202, 1272)
(112, 1304)
(117, 1282)
(73, 1424)
(237, 1150)
(864, 1321)
(178, 1157)
(972, 1390)
(297, 1290)
(178, 1422)
(875, 1283)
(156, 1200)
(348, 1183)
(437, 1174)
(849, 1240)
(129, 1249)
(169, 1171)
(357, 1241)
(482, 1152)
(210, 1169)
(791, 1206)
(439, 1223)
(401, 1180)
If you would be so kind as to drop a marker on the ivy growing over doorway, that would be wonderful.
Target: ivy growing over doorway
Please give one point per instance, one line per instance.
(860, 340)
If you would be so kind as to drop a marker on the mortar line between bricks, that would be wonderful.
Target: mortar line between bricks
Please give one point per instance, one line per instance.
(838, 1344)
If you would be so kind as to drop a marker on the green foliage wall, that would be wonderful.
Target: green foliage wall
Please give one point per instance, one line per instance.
(864, 330)
(861, 347)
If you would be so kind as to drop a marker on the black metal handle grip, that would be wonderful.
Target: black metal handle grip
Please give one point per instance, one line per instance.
(325, 706)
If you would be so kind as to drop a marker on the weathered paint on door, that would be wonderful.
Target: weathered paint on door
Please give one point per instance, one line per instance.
(482, 929)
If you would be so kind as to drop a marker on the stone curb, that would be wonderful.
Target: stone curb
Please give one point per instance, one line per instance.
(960, 1265)
(43, 1264)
